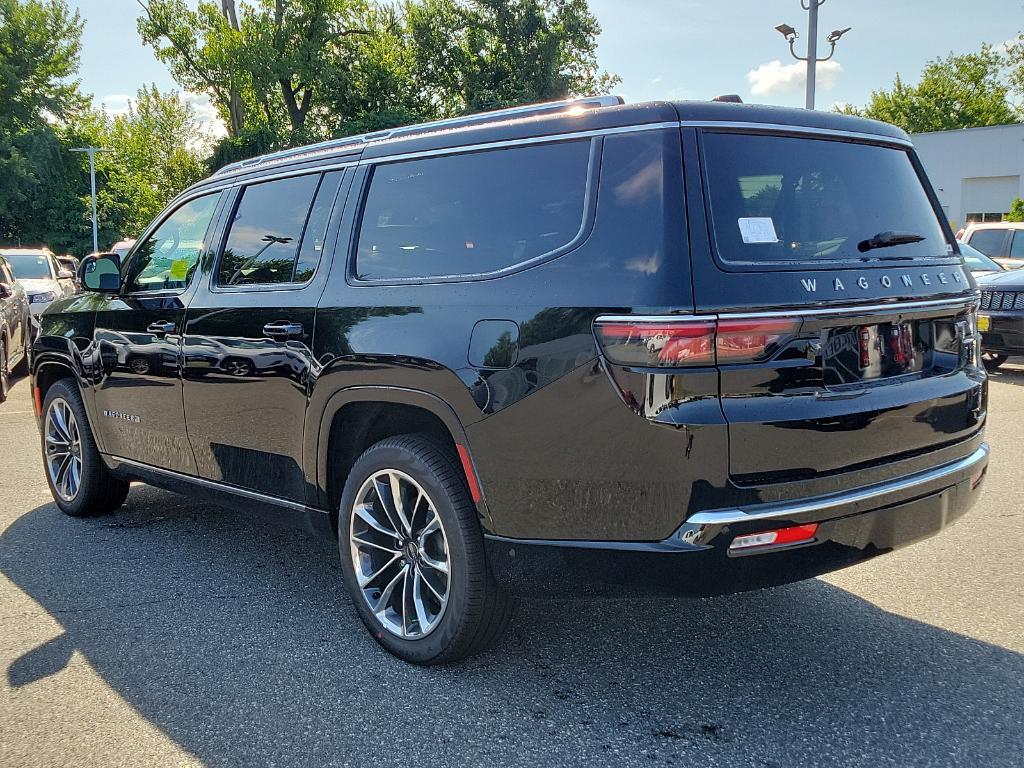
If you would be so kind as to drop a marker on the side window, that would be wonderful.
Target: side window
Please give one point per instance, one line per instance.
(315, 236)
(989, 241)
(1017, 247)
(168, 257)
(265, 242)
(472, 213)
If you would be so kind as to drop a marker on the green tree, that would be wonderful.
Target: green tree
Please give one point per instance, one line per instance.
(1016, 210)
(959, 91)
(487, 54)
(157, 148)
(285, 72)
(40, 42)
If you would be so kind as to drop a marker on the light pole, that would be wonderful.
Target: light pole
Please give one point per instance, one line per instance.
(812, 44)
(92, 181)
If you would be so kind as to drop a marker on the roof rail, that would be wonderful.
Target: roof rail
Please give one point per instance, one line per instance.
(480, 118)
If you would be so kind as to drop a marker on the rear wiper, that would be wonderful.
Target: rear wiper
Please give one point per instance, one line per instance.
(887, 240)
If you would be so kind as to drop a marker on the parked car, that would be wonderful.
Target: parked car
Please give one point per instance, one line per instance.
(121, 247)
(42, 277)
(977, 262)
(15, 326)
(581, 348)
(1002, 241)
(1001, 319)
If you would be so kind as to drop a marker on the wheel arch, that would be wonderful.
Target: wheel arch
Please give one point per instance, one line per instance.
(357, 417)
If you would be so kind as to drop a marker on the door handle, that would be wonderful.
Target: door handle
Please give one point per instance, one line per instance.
(161, 326)
(283, 330)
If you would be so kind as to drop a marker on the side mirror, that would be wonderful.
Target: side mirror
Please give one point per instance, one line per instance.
(6, 291)
(65, 274)
(101, 273)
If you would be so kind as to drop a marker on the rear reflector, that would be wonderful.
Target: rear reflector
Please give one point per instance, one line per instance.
(796, 534)
(37, 400)
(668, 342)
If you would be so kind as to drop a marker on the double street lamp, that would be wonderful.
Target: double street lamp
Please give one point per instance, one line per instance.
(811, 58)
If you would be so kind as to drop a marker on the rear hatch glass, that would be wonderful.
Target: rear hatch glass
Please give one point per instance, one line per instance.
(866, 374)
(785, 199)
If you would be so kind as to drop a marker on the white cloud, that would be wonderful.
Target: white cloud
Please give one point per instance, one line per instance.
(206, 114)
(656, 80)
(116, 103)
(776, 77)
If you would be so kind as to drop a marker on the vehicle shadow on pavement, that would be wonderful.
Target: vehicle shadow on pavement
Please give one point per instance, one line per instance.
(235, 637)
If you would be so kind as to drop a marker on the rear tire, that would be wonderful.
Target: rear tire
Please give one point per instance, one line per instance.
(992, 361)
(423, 587)
(79, 481)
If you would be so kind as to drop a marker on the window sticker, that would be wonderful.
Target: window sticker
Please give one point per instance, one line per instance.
(179, 269)
(759, 229)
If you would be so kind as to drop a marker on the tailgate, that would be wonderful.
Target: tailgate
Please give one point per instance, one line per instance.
(853, 388)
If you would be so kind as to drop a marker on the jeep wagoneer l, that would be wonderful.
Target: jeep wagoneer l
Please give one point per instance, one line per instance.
(668, 347)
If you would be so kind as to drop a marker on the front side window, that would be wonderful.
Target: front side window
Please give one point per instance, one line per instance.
(784, 199)
(265, 241)
(167, 258)
(472, 213)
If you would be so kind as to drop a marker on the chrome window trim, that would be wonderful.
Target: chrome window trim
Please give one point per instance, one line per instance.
(212, 484)
(236, 182)
(825, 503)
(586, 227)
(806, 129)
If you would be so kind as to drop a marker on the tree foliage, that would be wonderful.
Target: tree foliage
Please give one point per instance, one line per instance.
(960, 91)
(285, 72)
(1016, 210)
(40, 42)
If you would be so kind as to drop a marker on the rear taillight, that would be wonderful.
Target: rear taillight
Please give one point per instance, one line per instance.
(667, 342)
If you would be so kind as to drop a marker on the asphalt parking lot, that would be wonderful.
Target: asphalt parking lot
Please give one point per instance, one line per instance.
(177, 633)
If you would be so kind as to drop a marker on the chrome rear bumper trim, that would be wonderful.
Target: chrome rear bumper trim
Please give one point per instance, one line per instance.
(826, 503)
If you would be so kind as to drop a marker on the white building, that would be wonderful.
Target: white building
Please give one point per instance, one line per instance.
(976, 172)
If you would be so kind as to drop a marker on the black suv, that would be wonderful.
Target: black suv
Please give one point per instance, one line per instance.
(668, 347)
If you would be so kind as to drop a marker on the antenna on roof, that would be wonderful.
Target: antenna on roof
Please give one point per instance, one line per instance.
(729, 98)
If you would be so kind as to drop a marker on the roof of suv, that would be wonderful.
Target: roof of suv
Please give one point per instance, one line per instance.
(597, 114)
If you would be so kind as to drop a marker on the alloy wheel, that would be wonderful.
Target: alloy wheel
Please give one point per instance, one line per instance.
(63, 449)
(400, 554)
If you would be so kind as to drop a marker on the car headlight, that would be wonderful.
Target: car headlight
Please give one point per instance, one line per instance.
(42, 298)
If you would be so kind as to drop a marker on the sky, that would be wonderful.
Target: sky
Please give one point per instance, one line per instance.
(668, 49)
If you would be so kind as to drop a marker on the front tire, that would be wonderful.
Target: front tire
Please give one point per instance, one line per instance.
(79, 481)
(413, 556)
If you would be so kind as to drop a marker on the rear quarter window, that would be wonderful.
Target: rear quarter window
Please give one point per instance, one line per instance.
(989, 241)
(473, 213)
(777, 199)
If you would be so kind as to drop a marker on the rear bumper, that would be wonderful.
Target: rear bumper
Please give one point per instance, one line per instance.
(1006, 334)
(852, 526)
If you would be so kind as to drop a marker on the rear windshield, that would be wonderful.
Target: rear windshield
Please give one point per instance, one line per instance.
(782, 199)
